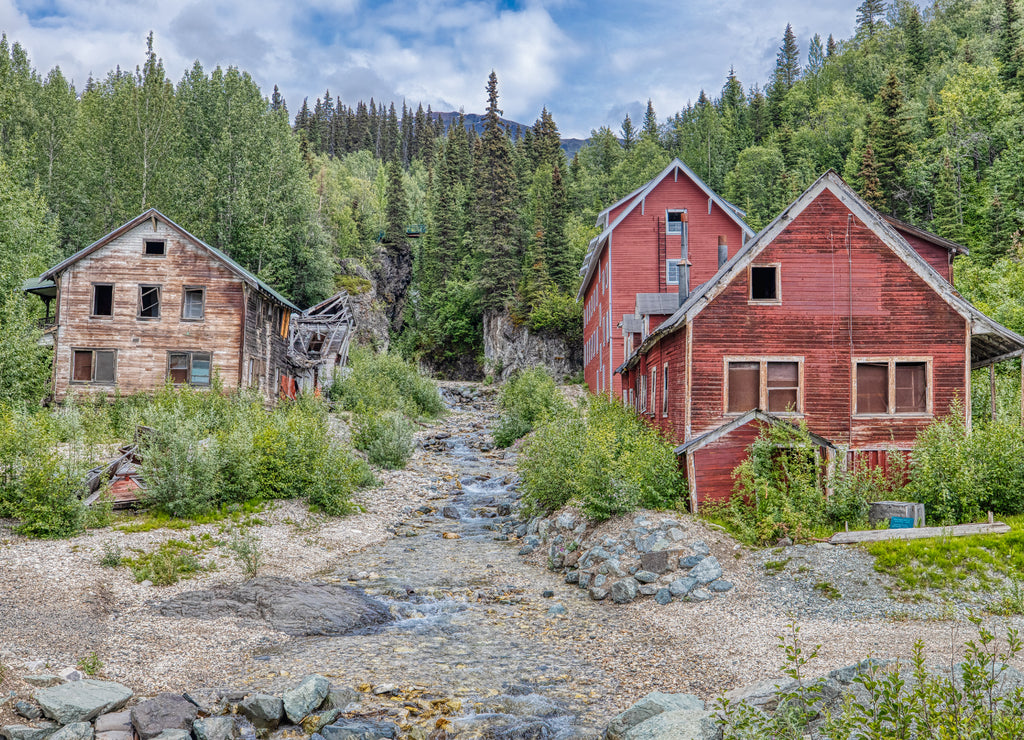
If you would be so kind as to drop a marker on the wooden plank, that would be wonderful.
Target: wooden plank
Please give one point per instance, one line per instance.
(880, 535)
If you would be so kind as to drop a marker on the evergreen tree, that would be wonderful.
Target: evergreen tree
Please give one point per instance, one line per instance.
(497, 237)
(555, 245)
(869, 15)
(830, 47)
(1009, 52)
(892, 146)
(870, 187)
(815, 55)
(397, 215)
(787, 61)
(277, 102)
(628, 133)
(913, 30)
(651, 130)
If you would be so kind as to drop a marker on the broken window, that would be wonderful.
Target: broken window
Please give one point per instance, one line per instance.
(892, 387)
(764, 283)
(654, 389)
(744, 380)
(192, 368)
(193, 303)
(783, 386)
(674, 222)
(93, 365)
(102, 300)
(154, 248)
(664, 390)
(149, 301)
(316, 343)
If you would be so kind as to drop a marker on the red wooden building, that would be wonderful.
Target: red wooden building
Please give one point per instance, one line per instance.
(632, 268)
(832, 314)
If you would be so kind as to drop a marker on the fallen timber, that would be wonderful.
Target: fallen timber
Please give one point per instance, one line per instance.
(881, 535)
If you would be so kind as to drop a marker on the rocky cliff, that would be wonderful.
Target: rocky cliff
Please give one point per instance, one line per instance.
(509, 347)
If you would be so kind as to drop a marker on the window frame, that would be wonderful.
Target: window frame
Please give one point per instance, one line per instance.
(92, 304)
(159, 302)
(762, 384)
(891, 363)
(664, 391)
(668, 263)
(653, 372)
(145, 248)
(669, 232)
(92, 380)
(190, 354)
(185, 290)
(777, 300)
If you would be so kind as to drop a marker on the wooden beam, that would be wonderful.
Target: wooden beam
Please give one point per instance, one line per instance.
(992, 389)
(881, 535)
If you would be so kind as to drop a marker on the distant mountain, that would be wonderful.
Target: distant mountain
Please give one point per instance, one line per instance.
(475, 121)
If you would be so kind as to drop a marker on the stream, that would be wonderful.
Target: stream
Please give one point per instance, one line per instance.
(473, 621)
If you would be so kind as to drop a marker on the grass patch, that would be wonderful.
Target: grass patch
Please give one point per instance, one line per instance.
(236, 513)
(956, 566)
(827, 590)
(171, 561)
(774, 567)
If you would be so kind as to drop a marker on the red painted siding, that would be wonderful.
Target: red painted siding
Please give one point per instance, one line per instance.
(713, 464)
(936, 256)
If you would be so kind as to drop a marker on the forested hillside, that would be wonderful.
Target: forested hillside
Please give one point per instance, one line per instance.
(921, 111)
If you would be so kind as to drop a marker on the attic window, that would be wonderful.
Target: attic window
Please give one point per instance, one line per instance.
(674, 222)
(154, 248)
(764, 283)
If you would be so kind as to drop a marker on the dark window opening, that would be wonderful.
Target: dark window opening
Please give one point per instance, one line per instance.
(911, 387)
(316, 343)
(872, 388)
(93, 365)
(189, 367)
(154, 247)
(744, 386)
(763, 284)
(783, 386)
(103, 300)
(674, 222)
(193, 305)
(149, 301)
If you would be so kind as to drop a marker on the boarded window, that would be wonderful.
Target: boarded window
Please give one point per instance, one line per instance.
(93, 365)
(102, 300)
(744, 386)
(872, 387)
(154, 247)
(200, 369)
(764, 283)
(783, 386)
(149, 301)
(911, 387)
(193, 304)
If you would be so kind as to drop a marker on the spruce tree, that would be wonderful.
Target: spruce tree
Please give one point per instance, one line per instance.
(1009, 52)
(628, 133)
(497, 238)
(787, 61)
(815, 55)
(277, 102)
(870, 187)
(830, 47)
(397, 214)
(913, 30)
(869, 15)
(651, 130)
(556, 245)
(892, 147)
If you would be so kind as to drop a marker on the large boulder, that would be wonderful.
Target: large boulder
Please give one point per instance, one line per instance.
(263, 710)
(293, 607)
(678, 725)
(82, 701)
(163, 712)
(707, 570)
(653, 704)
(624, 591)
(360, 730)
(215, 728)
(306, 698)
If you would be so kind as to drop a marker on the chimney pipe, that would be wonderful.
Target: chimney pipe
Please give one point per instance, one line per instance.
(723, 251)
(684, 262)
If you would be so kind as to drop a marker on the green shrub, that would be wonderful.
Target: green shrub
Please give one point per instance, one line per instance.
(245, 546)
(526, 399)
(180, 466)
(343, 473)
(49, 506)
(387, 439)
(169, 563)
(602, 456)
(385, 382)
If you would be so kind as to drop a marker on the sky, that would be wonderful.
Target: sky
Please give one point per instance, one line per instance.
(589, 62)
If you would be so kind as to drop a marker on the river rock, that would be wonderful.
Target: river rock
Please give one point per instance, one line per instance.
(653, 704)
(174, 735)
(648, 589)
(263, 710)
(450, 512)
(114, 722)
(572, 576)
(700, 547)
(763, 695)
(28, 710)
(662, 561)
(599, 580)
(720, 586)
(74, 731)
(597, 593)
(306, 697)
(682, 586)
(342, 697)
(678, 725)
(215, 728)
(707, 570)
(646, 576)
(41, 680)
(699, 594)
(360, 730)
(663, 596)
(690, 561)
(624, 591)
(24, 732)
(81, 701)
(163, 712)
(292, 607)
(583, 579)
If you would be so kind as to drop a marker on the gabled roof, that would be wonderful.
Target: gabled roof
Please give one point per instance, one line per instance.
(733, 424)
(236, 268)
(990, 340)
(638, 196)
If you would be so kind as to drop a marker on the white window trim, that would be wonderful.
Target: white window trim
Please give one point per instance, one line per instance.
(668, 264)
(667, 212)
(893, 361)
(654, 391)
(762, 404)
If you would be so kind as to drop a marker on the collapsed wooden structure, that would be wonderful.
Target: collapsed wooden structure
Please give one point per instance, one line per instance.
(319, 341)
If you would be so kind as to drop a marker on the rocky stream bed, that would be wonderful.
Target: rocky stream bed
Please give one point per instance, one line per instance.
(440, 612)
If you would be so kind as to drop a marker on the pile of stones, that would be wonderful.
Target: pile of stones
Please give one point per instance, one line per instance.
(654, 559)
(91, 709)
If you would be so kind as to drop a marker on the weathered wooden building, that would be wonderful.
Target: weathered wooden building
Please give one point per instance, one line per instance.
(634, 264)
(832, 314)
(149, 303)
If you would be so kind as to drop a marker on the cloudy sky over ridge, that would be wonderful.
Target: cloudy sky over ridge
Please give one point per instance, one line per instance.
(588, 62)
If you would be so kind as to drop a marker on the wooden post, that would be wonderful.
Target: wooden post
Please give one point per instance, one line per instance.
(1022, 391)
(992, 388)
